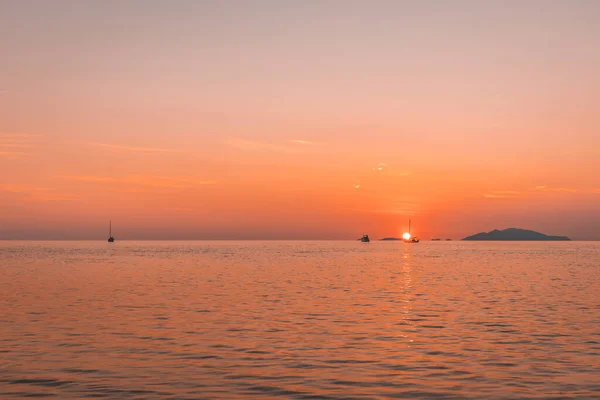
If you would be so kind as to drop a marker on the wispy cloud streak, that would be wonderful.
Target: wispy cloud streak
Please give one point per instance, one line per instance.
(16, 145)
(17, 141)
(38, 193)
(305, 142)
(24, 189)
(136, 149)
(141, 180)
(248, 145)
(556, 189)
(503, 194)
(509, 194)
(6, 135)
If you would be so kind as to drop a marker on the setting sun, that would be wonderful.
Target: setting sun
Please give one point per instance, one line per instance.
(406, 236)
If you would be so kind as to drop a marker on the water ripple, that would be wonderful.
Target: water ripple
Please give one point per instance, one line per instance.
(299, 320)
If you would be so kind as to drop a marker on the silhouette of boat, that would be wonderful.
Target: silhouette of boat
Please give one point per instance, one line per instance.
(410, 238)
(365, 239)
(111, 238)
(436, 239)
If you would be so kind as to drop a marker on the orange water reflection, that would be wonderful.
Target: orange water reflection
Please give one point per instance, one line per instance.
(298, 319)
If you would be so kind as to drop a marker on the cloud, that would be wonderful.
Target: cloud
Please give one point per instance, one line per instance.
(136, 149)
(405, 210)
(305, 142)
(9, 141)
(161, 181)
(18, 137)
(503, 194)
(19, 134)
(248, 145)
(24, 189)
(141, 180)
(15, 145)
(55, 197)
(507, 194)
(86, 178)
(38, 193)
(401, 173)
(395, 211)
(556, 189)
(565, 190)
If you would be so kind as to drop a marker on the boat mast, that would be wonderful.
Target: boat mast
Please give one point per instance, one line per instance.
(109, 228)
(409, 226)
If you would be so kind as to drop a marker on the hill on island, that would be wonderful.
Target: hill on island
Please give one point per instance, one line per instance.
(514, 234)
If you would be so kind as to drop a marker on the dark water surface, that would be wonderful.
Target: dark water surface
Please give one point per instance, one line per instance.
(299, 320)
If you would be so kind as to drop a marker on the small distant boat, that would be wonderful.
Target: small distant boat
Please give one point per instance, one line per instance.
(365, 239)
(436, 239)
(408, 238)
(111, 238)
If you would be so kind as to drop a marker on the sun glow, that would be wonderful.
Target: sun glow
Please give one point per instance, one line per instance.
(406, 236)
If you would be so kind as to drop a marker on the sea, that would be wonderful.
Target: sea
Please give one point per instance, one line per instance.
(299, 320)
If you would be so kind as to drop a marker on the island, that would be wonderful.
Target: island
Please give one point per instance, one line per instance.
(514, 234)
(390, 238)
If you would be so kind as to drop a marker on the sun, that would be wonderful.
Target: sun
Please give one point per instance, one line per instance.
(406, 236)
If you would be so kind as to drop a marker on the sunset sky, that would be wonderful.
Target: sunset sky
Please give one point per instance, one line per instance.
(298, 119)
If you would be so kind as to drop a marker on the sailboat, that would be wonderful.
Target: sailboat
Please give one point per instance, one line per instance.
(407, 236)
(111, 238)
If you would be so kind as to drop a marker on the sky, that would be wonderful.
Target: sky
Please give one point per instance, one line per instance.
(298, 120)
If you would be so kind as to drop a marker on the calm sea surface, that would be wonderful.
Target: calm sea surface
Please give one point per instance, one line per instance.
(299, 320)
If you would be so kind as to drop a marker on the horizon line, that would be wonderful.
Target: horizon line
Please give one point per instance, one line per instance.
(280, 240)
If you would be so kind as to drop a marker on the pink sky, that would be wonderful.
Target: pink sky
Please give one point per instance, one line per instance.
(298, 120)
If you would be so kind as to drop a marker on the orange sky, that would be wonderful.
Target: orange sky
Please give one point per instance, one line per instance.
(298, 120)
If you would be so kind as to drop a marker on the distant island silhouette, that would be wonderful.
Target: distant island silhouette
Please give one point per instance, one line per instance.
(390, 238)
(514, 234)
